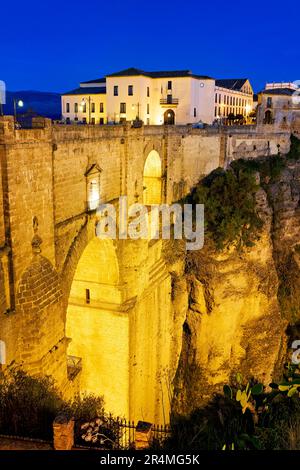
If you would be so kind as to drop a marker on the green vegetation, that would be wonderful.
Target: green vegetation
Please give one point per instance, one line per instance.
(245, 417)
(268, 167)
(294, 153)
(28, 406)
(230, 209)
(231, 216)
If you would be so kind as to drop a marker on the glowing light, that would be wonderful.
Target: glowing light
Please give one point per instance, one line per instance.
(20, 103)
(248, 108)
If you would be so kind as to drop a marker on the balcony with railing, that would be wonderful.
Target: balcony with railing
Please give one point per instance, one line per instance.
(74, 366)
(169, 101)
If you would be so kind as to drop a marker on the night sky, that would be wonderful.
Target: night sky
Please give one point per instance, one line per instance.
(53, 45)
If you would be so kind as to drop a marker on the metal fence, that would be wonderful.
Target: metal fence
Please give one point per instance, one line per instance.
(108, 433)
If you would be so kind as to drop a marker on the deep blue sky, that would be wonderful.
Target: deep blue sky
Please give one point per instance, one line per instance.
(53, 45)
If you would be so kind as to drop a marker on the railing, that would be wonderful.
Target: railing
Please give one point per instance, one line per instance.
(168, 101)
(74, 366)
(29, 122)
(109, 433)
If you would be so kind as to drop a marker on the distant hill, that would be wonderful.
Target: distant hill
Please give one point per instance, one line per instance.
(43, 103)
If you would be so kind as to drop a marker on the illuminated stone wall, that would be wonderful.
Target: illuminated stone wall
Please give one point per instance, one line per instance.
(131, 318)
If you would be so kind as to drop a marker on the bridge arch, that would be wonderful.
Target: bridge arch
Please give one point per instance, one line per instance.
(152, 179)
(97, 329)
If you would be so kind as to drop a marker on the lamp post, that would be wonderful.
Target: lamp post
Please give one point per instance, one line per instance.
(17, 103)
(138, 110)
(83, 102)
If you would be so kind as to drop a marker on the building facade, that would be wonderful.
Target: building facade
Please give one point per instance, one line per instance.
(156, 98)
(279, 104)
(233, 99)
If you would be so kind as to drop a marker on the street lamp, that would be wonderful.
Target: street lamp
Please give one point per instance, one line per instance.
(17, 103)
(83, 102)
(138, 110)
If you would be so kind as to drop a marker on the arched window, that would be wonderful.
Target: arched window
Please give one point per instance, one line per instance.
(93, 187)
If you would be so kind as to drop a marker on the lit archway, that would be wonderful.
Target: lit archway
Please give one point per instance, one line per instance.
(97, 328)
(152, 179)
(169, 117)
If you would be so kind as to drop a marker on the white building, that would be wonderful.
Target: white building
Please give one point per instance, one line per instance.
(279, 104)
(86, 104)
(164, 97)
(178, 97)
(233, 99)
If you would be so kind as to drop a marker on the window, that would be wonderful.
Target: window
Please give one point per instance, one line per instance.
(93, 120)
(269, 102)
(130, 90)
(93, 107)
(116, 90)
(67, 107)
(169, 85)
(84, 120)
(219, 98)
(122, 108)
(87, 296)
(101, 121)
(169, 99)
(148, 108)
(101, 108)
(148, 91)
(84, 107)
(75, 107)
(216, 98)
(195, 112)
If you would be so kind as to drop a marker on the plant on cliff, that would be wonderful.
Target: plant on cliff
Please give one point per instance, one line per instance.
(294, 153)
(28, 405)
(246, 417)
(230, 208)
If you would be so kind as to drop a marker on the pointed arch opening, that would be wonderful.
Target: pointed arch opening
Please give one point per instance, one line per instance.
(152, 179)
(97, 328)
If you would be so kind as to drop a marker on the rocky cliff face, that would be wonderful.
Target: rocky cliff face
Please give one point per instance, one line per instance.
(235, 307)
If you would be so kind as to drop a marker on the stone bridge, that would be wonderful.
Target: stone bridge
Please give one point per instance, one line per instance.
(97, 315)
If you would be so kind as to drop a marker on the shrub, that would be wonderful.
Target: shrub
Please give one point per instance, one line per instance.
(219, 423)
(28, 406)
(230, 207)
(294, 153)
